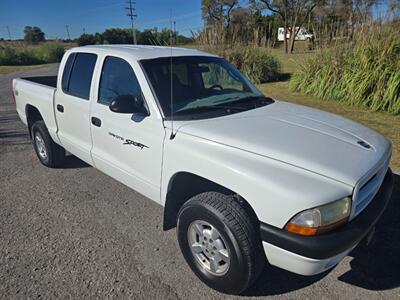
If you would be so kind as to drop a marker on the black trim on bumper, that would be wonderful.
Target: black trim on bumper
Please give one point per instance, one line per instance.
(332, 243)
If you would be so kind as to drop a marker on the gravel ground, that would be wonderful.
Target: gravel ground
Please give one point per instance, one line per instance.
(77, 233)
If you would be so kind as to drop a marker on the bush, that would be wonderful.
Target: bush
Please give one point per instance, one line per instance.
(89, 39)
(257, 63)
(11, 56)
(46, 53)
(365, 73)
(49, 52)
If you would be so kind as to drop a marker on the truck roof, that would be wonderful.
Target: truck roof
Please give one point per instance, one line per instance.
(140, 52)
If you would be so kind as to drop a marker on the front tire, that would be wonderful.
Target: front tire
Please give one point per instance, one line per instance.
(49, 153)
(220, 241)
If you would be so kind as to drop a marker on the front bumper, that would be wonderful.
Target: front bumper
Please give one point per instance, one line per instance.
(313, 255)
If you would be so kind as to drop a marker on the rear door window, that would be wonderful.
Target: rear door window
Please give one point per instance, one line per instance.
(80, 77)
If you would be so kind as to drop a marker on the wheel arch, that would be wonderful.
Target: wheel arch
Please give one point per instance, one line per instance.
(184, 185)
(32, 115)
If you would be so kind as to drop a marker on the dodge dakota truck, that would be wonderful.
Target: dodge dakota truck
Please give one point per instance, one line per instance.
(245, 179)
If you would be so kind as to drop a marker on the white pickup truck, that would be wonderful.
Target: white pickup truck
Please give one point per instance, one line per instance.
(245, 179)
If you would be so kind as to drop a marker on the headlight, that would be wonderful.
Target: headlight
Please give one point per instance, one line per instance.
(320, 219)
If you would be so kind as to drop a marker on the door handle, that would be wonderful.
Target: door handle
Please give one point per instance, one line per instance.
(60, 108)
(96, 121)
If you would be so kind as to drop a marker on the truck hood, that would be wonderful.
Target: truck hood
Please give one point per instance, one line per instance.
(307, 138)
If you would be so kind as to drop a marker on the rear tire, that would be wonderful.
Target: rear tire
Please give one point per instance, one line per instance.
(220, 241)
(49, 153)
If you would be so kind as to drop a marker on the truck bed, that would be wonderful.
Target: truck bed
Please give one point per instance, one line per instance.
(37, 92)
(44, 80)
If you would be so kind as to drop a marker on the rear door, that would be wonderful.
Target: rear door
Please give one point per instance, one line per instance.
(72, 104)
(126, 146)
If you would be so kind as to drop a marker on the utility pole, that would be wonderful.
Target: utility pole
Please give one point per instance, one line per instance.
(9, 34)
(174, 32)
(132, 14)
(67, 27)
(84, 30)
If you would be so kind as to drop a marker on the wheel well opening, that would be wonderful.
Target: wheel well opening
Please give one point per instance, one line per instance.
(184, 186)
(32, 115)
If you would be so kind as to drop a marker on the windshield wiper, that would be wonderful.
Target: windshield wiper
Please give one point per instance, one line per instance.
(256, 99)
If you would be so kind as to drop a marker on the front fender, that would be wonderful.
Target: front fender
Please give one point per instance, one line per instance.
(275, 190)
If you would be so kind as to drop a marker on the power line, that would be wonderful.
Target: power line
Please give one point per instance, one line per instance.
(132, 14)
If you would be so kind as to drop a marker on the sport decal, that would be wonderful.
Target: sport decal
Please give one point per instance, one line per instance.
(128, 141)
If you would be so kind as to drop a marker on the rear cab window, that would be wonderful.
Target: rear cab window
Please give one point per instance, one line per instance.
(78, 74)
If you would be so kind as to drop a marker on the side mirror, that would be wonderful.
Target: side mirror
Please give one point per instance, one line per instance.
(129, 104)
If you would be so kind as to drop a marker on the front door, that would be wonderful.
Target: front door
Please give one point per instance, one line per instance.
(126, 146)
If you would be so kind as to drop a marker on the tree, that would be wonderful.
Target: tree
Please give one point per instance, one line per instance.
(117, 36)
(360, 12)
(124, 36)
(88, 39)
(148, 37)
(33, 34)
(218, 11)
(394, 9)
(217, 16)
(293, 13)
(183, 40)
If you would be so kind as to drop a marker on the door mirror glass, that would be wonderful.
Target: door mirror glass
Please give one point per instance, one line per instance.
(129, 104)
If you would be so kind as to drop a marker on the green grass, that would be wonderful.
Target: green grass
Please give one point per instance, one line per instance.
(290, 63)
(11, 69)
(21, 56)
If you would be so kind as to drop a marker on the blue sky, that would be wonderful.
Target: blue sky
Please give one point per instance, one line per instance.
(94, 15)
(97, 15)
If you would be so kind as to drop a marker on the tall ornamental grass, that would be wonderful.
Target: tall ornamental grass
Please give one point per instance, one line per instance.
(365, 73)
(45, 53)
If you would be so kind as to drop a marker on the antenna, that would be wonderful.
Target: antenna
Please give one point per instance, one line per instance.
(172, 87)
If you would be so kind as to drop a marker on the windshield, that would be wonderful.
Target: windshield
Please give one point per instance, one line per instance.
(201, 85)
